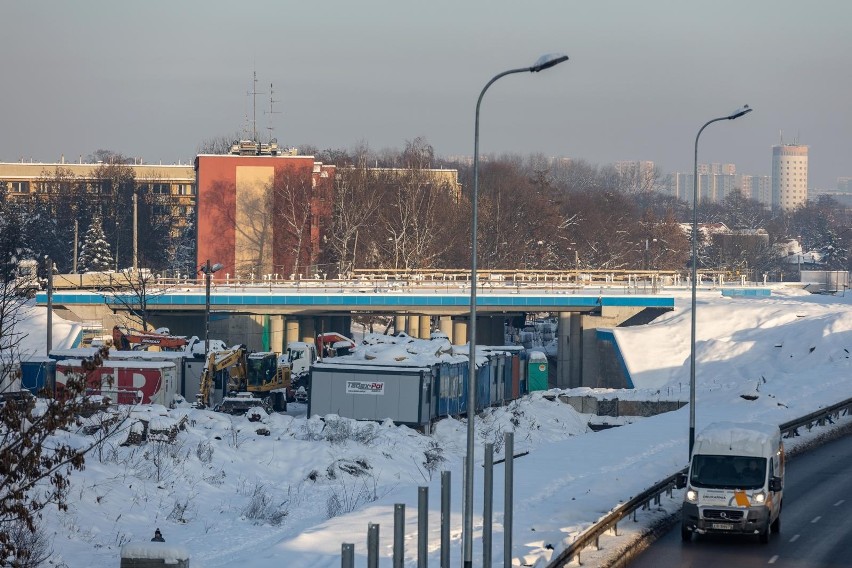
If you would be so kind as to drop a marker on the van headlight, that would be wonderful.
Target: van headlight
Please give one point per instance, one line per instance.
(759, 497)
(692, 495)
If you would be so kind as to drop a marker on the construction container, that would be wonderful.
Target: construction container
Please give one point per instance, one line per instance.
(124, 382)
(366, 392)
(38, 375)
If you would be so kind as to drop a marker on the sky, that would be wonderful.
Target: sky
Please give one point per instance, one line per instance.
(156, 80)
(789, 353)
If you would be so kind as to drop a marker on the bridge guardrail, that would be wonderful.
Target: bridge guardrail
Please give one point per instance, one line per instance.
(610, 521)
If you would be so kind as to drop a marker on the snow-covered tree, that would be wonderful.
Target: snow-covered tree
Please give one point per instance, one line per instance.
(95, 253)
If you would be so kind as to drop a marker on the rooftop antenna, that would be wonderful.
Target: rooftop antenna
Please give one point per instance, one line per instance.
(270, 128)
(254, 92)
(781, 135)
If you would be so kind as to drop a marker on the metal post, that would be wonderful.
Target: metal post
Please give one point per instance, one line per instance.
(135, 231)
(398, 535)
(207, 275)
(76, 240)
(445, 519)
(509, 444)
(49, 337)
(694, 261)
(488, 507)
(422, 527)
(372, 545)
(347, 555)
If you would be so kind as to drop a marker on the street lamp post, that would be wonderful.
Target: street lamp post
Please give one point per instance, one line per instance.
(544, 62)
(736, 114)
(208, 271)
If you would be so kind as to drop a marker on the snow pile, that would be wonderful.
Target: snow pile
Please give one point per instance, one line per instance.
(289, 489)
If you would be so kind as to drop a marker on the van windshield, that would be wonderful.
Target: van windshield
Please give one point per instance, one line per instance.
(728, 472)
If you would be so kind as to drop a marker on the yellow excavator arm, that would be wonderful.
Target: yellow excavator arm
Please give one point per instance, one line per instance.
(232, 359)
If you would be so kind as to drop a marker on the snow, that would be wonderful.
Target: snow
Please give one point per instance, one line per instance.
(66, 334)
(738, 438)
(154, 550)
(231, 495)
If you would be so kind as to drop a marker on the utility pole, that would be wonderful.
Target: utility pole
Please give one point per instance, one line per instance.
(49, 337)
(76, 238)
(135, 231)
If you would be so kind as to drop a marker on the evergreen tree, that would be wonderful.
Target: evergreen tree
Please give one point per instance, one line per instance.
(95, 253)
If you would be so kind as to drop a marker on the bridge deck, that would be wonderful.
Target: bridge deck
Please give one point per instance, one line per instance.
(437, 302)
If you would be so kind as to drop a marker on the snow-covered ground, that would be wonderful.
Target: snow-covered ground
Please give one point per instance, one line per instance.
(231, 496)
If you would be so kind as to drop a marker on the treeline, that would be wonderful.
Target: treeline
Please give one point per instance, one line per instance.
(537, 212)
(391, 210)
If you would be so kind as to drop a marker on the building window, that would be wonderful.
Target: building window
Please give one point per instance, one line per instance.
(21, 186)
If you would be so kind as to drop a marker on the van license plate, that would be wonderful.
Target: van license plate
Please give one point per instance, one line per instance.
(722, 526)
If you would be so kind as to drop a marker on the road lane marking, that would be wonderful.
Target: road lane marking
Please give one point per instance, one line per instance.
(816, 519)
(840, 502)
(773, 559)
(795, 537)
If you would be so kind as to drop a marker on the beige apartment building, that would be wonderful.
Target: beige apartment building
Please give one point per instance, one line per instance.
(176, 182)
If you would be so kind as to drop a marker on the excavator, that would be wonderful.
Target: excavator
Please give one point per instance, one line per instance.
(126, 339)
(252, 379)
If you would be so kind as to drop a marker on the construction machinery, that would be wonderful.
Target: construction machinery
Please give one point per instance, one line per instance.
(333, 344)
(257, 374)
(232, 360)
(126, 339)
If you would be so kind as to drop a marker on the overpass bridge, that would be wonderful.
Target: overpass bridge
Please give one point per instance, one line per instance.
(268, 315)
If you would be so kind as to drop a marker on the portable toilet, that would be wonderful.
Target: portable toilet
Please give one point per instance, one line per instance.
(537, 371)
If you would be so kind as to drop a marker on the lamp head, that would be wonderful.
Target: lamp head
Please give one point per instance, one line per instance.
(739, 112)
(547, 61)
(214, 268)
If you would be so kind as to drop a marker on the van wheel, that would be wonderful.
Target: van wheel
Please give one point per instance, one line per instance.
(764, 536)
(685, 534)
(776, 524)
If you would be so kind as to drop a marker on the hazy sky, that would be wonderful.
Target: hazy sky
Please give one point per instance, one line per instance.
(154, 79)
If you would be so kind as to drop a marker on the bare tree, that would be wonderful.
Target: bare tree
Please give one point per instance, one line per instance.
(35, 462)
(218, 144)
(353, 212)
(133, 292)
(292, 199)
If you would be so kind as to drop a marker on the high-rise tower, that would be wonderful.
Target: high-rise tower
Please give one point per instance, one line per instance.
(789, 176)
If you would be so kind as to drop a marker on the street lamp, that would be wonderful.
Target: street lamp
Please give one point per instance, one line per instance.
(208, 271)
(736, 114)
(544, 62)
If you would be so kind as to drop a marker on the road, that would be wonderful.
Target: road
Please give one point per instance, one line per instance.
(816, 523)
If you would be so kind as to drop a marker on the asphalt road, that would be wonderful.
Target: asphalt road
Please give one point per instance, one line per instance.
(816, 523)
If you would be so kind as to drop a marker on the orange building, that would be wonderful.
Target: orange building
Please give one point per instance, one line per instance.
(261, 214)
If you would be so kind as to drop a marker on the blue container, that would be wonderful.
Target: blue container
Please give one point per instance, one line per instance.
(38, 375)
(450, 390)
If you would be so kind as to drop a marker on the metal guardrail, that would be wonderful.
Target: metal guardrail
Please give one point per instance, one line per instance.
(591, 536)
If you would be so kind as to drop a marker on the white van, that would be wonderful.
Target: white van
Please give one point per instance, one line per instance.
(735, 481)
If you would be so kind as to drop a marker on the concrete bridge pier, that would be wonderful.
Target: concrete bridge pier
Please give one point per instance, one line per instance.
(399, 323)
(459, 335)
(425, 327)
(277, 340)
(569, 350)
(445, 324)
(291, 329)
(307, 329)
(412, 325)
